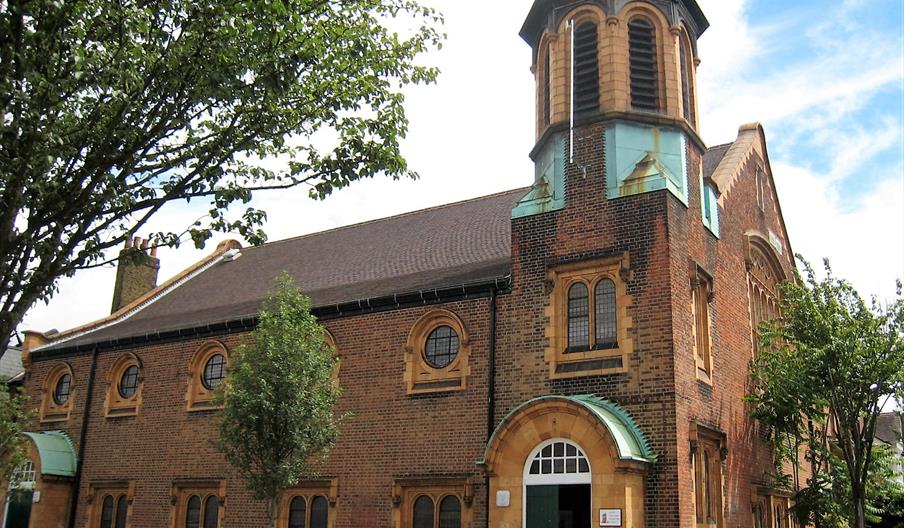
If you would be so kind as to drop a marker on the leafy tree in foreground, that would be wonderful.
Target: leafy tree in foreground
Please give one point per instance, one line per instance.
(280, 396)
(111, 109)
(13, 417)
(828, 366)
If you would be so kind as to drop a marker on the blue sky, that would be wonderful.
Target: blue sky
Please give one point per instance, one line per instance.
(826, 79)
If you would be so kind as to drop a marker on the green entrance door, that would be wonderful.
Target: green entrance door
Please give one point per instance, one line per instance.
(542, 507)
(558, 506)
(18, 510)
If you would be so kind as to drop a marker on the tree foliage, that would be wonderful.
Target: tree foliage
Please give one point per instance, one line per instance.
(109, 110)
(827, 367)
(279, 397)
(13, 416)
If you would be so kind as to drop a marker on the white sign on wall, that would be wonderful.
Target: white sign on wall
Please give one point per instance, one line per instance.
(610, 518)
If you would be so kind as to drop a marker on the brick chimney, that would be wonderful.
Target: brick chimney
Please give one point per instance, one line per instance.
(136, 273)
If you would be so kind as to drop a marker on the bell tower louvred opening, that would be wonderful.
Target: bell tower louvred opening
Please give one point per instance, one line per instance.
(644, 66)
(586, 69)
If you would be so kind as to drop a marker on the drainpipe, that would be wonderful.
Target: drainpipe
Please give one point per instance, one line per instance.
(491, 387)
(81, 440)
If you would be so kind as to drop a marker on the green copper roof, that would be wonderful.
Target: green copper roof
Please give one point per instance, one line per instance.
(631, 442)
(55, 450)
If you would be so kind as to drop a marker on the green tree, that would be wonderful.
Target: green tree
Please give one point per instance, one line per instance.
(13, 415)
(828, 366)
(111, 109)
(279, 397)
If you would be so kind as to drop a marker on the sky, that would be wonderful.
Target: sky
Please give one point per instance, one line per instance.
(826, 79)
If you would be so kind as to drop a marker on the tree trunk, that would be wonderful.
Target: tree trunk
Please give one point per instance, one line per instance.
(859, 497)
(271, 511)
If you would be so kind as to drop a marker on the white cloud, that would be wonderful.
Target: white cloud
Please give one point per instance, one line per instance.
(470, 135)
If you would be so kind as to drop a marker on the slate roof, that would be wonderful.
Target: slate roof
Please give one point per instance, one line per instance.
(11, 363)
(713, 157)
(460, 243)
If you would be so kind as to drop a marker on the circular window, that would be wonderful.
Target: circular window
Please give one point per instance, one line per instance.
(128, 383)
(61, 390)
(441, 347)
(214, 371)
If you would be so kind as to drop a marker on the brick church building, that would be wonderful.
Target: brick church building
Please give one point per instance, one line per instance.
(573, 353)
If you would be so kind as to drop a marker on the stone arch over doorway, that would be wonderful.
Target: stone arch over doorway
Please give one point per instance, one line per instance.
(616, 451)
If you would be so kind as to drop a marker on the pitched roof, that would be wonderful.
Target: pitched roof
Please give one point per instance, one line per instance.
(888, 427)
(713, 157)
(444, 246)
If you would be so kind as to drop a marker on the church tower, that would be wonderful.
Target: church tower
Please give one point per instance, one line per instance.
(629, 66)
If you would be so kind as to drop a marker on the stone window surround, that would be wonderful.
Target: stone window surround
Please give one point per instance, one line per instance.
(199, 397)
(115, 405)
(702, 297)
(51, 411)
(712, 443)
(559, 282)
(420, 376)
(98, 490)
(406, 491)
(183, 490)
(327, 488)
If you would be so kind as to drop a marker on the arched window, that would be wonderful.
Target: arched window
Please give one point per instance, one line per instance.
(586, 69)
(106, 513)
(193, 512)
(546, 105)
(764, 276)
(605, 316)
(423, 512)
(297, 513)
(319, 512)
(644, 64)
(124, 380)
(559, 458)
(211, 512)
(207, 371)
(56, 403)
(578, 318)
(122, 511)
(687, 82)
(450, 512)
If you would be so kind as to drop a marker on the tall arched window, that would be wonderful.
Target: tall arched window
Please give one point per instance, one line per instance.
(106, 513)
(193, 512)
(546, 106)
(450, 512)
(319, 513)
(423, 512)
(211, 512)
(687, 83)
(586, 69)
(644, 65)
(764, 275)
(605, 316)
(297, 513)
(122, 511)
(578, 318)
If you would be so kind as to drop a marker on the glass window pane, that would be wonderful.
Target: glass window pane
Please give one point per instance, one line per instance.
(605, 312)
(450, 512)
(211, 512)
(193, 512)
(578, 317)
(571, 465)
(547, 451)
(122, 511)
(559, 465)
(61, 391)
(106, 513)
(319, 512)
(214, 372)
(547, 467)
(583, 467)
(558, 449)
(128, 384)
(571, 450)
(441, 347)
(535, 467)
(423, 512)
(297, 512)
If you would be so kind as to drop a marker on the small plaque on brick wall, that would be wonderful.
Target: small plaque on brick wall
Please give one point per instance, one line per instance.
(610, 518)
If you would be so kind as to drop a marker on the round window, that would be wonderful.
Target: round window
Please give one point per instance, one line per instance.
(128, 383)
(441, 347)
(214, 372)
(61, 390)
